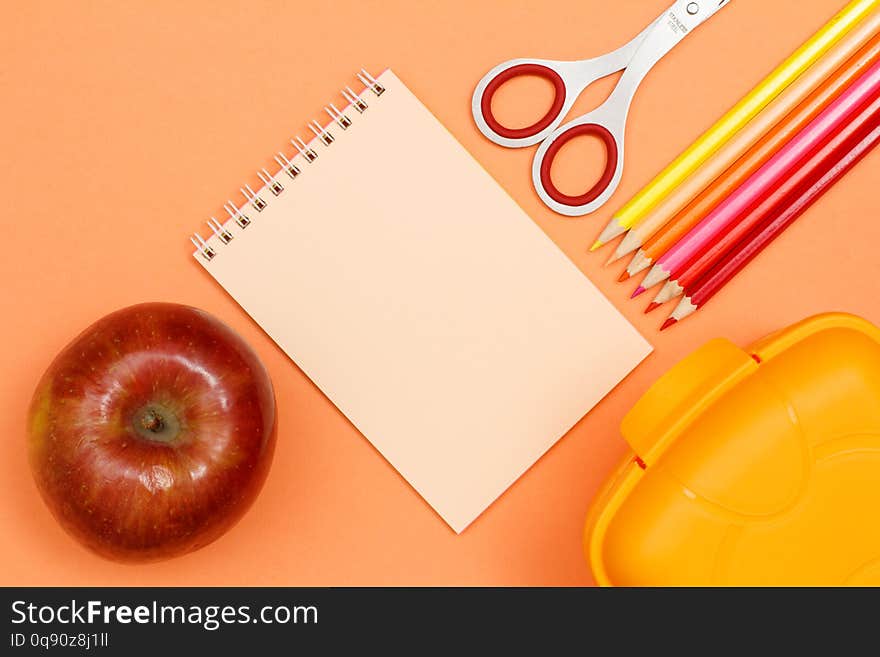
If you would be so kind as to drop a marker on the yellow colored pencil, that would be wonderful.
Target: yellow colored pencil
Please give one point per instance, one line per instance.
(736, 118)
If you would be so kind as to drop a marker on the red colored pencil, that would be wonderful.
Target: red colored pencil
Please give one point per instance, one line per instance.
(821, 159)
(716, 278)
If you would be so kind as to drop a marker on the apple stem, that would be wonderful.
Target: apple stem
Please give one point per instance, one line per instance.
(157, 423)
(152, 421)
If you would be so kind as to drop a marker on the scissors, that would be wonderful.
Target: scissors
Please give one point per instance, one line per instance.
(607, 122)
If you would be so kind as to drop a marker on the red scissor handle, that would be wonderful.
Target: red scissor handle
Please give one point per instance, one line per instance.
(611, 155)
(515, 72)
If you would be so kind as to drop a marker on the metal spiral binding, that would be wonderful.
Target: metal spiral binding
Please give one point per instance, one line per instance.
(304, 150)
(308, 153)
(321, 133)
(341, 119)
(270, 182)
(370, 82)
(202, 247)
(354, 100)
(288, 166)
(258, 204)
(222, 234)
(236, 215)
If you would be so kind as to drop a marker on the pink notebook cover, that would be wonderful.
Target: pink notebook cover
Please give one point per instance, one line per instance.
(424, 302)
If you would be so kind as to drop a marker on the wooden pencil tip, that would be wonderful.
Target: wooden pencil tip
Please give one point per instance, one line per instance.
(624, 276)
(614, 258)
(669, 322)
(638, 291)
(598, 244)
(652, 306)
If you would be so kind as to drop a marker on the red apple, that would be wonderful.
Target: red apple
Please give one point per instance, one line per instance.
(152, 432)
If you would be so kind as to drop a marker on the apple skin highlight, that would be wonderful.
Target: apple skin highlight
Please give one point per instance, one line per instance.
(152, 433)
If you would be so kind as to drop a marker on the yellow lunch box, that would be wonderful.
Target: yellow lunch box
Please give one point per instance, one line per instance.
(751, 467)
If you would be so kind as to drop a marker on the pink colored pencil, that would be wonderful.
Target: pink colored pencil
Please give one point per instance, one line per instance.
(704, 234)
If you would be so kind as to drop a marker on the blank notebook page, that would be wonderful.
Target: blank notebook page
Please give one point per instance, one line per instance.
(426, 304)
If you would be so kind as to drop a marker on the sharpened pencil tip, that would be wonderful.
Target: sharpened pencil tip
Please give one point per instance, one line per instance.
(623, 277)
(638, 291)
(669, 322)
(614, 258)
(652, 306)
(598, 244)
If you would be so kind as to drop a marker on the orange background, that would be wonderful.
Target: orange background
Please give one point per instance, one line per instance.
(126, 125)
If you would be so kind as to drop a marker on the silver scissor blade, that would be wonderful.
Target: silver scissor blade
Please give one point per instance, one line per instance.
(705, 9)
(619, 59)
(673, 25)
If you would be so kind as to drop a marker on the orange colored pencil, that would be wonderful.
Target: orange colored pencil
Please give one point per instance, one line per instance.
(695, 211)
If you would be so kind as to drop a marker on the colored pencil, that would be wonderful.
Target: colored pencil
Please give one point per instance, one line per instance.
(743, 112)
(717, 277)
(756, 143)
(823, 159)
(729, 211)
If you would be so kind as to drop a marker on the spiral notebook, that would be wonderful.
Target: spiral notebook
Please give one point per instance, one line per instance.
(419, 297)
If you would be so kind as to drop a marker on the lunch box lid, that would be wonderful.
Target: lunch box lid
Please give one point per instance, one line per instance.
(751, 466)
